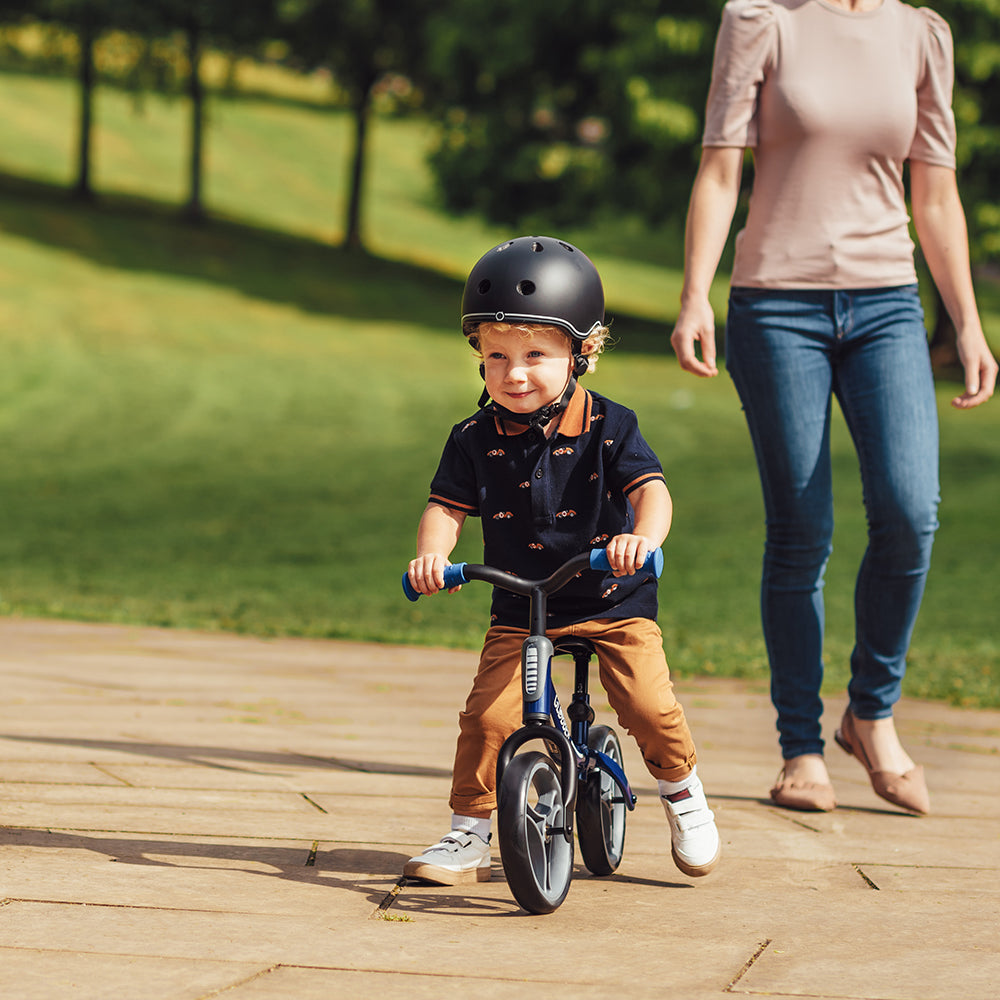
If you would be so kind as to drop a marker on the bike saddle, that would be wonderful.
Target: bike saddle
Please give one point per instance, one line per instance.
(575, 646)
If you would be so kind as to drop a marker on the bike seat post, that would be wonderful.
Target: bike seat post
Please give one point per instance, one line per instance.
(580, 713)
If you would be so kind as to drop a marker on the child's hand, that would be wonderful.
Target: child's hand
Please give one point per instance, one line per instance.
(426, 573)
(627, 553)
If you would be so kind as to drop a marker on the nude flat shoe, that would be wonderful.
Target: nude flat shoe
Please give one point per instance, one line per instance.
(807, 796)
(908, 791)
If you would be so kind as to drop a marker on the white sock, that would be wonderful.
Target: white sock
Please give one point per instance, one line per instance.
(673, 787)
(471, 824)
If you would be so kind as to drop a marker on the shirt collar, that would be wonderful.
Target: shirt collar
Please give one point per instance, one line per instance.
(576, 417)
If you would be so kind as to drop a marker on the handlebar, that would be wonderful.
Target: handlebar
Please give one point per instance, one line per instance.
(458, 573)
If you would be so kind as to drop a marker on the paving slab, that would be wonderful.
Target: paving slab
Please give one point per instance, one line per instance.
(190, 815)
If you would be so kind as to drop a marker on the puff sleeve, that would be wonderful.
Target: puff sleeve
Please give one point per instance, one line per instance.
(934, 139)
(744, 49)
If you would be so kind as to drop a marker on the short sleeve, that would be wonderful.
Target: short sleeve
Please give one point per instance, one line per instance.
(632, 462)
(454, 484)
(744, 49)
(934, 140)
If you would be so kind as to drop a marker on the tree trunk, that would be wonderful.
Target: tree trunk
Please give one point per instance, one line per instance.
(83, 189)
(194, 210)
(362, 114)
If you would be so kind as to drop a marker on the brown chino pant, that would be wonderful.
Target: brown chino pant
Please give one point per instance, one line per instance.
(634, 674)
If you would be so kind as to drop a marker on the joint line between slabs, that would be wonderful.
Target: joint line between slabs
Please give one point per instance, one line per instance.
(870, 882)
(391, 896)
(782, 814)
(748, 964)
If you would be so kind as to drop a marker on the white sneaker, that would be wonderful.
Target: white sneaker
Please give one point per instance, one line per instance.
(694, 838)
(458, 857)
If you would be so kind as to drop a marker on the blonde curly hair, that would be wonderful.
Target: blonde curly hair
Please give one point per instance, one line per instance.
(591, 348)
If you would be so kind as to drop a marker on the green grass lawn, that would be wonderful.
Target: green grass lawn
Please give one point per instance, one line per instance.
(234, 426)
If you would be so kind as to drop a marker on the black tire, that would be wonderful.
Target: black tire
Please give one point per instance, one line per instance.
(601, 810)
(537, 856)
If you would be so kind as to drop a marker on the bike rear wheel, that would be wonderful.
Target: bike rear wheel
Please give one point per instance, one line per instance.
(601, 810)
(531, 819)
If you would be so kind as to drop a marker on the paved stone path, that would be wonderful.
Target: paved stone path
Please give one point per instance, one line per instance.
(185, 816)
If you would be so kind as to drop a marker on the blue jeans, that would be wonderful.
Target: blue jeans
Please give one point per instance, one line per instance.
(789, 353)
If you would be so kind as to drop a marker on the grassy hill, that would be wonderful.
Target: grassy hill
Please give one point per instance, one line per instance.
(233, 426)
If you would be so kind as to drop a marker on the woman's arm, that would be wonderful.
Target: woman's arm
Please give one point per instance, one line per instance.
(940, 223)
(710, 215)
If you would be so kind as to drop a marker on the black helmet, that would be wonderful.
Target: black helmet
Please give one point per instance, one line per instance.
(535, 279)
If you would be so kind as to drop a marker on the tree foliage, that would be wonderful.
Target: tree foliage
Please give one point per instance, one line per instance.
(561, 109)
(975, 25)
(552, 112)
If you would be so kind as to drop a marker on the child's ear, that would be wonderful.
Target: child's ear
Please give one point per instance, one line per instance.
(581, 362)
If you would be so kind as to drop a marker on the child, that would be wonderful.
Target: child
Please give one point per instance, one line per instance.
(553, 470)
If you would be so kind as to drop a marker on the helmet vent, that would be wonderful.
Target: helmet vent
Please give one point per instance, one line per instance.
(526, 287)
(484, 286)
(566, 246)
(537, 247)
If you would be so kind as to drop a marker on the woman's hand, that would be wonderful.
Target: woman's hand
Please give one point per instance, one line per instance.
(980, 371)
(695, 328)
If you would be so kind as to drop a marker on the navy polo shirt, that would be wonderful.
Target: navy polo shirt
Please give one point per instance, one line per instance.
(543, 500)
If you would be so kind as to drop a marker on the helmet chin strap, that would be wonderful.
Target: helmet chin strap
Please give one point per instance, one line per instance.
(540, 417)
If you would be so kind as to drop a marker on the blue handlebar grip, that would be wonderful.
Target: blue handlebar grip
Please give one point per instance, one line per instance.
(654, 560)
(411, 594)
(454, 576)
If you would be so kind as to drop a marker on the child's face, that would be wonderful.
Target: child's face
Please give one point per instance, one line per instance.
(523, 372)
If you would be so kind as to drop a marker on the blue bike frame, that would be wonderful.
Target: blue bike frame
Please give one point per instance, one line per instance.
(542, 714)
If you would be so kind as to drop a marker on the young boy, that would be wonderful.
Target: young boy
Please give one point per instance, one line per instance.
(553, 470)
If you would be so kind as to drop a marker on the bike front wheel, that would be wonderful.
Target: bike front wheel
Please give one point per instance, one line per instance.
(600, 809)
(531, 823)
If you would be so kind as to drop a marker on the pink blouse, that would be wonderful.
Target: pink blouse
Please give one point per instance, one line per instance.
(832, 103)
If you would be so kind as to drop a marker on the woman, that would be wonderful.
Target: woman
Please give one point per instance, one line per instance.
(832, 97)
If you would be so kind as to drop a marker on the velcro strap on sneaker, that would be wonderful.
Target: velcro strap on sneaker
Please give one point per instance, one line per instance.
(692, 820)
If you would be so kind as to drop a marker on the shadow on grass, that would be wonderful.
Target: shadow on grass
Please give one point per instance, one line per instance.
(136, 234)
(131, 233)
